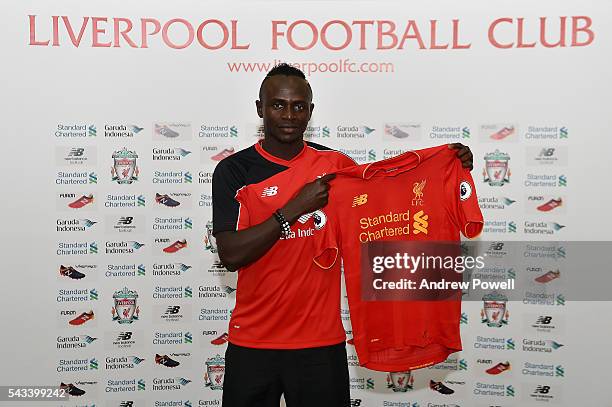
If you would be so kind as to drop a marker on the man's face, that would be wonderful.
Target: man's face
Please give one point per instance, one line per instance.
(286, 107)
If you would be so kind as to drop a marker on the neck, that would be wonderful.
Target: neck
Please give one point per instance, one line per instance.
(285, 151)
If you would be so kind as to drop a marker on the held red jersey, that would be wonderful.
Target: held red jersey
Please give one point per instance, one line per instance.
(283, 300)
(422, 195)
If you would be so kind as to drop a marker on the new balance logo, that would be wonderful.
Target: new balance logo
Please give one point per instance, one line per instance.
(173, 309)
(547, 152)
(125, 220)
(269, 191)
(360, 200)
(544, 320)
(76, 152)
(124, 336)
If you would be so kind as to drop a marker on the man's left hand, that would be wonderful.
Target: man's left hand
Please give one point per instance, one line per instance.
(464, 154)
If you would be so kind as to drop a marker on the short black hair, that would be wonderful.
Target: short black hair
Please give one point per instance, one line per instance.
(287, 70)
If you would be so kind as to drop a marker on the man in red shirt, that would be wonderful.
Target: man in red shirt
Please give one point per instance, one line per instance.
(285, 334)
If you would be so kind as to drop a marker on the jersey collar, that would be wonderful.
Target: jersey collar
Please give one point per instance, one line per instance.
(392, 166)
(278, 160)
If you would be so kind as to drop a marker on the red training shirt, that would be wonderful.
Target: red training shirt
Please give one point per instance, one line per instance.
(283, 300)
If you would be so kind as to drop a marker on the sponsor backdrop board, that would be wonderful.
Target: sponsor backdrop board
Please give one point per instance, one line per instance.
(115, 115)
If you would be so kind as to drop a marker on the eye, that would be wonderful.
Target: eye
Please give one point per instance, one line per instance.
(299, 107)
(277, 105)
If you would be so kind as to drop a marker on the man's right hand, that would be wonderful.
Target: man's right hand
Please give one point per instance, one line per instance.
(311, 197)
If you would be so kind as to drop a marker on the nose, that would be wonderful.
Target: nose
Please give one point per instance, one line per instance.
(288, 113)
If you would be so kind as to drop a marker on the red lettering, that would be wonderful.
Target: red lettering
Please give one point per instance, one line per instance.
(201, 37)
(432, 38)
(382, 33)
(313, 29)
(75, 41)
(362, 31)
(492, 28)
(586, 28)
(143, 29)
(96, 31)
(166, 38)
(275, 33)
(561, 42)
(417, 35)
(123, 33)
(56, 31)
(32, 19)
(456, 44)
(520, 33)
(347, 30)
(235, 37)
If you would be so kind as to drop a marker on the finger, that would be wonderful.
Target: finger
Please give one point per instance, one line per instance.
(455, 146)
(327, 177)
(464, 152)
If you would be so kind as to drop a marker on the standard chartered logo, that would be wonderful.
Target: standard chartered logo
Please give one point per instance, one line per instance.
(393, 224)
(420, 223)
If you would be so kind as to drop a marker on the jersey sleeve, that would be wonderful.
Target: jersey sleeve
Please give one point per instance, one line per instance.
(344, 161)
(227, 183)
(327, 240)
(462, 202)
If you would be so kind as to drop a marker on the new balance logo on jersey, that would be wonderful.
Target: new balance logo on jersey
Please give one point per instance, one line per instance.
(269, 191)
(542, 390)
(360, 200)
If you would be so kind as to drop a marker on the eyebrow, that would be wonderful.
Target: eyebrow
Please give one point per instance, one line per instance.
(286, 100)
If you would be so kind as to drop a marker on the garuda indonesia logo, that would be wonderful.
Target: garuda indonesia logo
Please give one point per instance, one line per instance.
(124, 169)
(125, 310)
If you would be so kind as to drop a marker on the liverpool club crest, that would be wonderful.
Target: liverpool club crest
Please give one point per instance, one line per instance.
(400, 381)
(496, 171)
(215, 370)
(210, 242)
(125, 310)
(417, 190)
(494, 312)
(124, 169)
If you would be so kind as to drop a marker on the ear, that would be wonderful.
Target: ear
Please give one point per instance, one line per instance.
(259, 108)
(311, 110)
